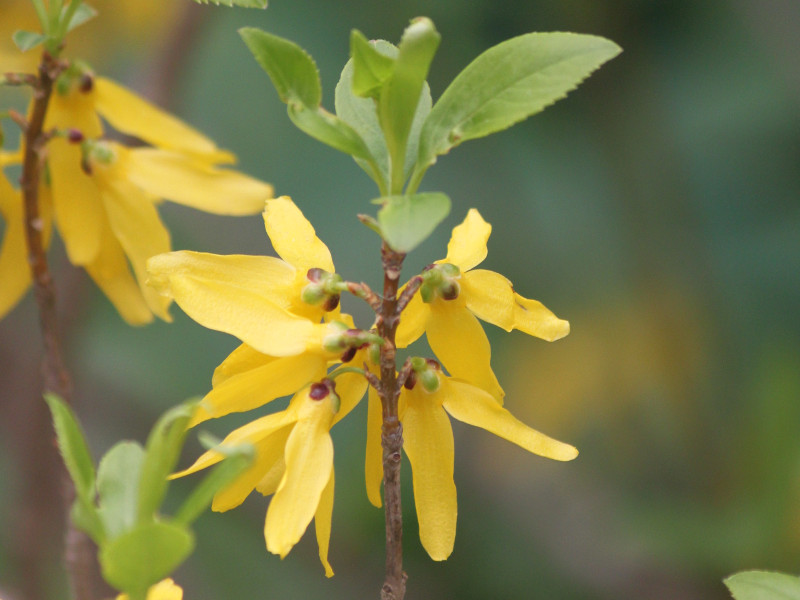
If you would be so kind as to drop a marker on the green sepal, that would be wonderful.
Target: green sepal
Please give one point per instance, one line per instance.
(118, 486)
(82, 14)
(25, 40)
(145, 555)
(506, 84)
(242, 3)
(161, 455)
(400, 95)
(407, 221)
(73, 448)
(371, 67)
(763, 585)
(237, 459)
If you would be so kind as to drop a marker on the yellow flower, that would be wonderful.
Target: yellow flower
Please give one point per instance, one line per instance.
(256, 298)
(163, 590)
(428, 442)
(293, 461)
(455, 297)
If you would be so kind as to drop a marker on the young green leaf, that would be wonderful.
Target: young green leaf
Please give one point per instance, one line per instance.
(509, 83)
(330, 130)
(145, 555)
(399, 97)
(118, 487)
(291, 69)
(83, 13)
(371, 67)
(25, 40)
(243, 3)
(73, 448)
(163, 449)
(763, 585)
(407, 221)
(86, 518)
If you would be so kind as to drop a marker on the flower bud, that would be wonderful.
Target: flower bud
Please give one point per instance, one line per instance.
(430, 380)
(75, 136)
(440, 280)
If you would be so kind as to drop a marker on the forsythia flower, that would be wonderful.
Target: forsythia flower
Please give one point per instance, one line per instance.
(428, 442)
(104, 195)
(454, 293)
(163, 590)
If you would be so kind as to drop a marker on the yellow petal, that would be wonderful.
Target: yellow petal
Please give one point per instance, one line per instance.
(111, 273)
(428, 441)
(73, 110)
(475, 407)
(458, 340)
(489, 296)
(15, 272)
(79, 210)
(264, 276)
(274, 447)
(243, 359)
(467, 246)
(249, 316)
(136, 224)
(164, 590)
(322, 524)
(373, 467)
(350, 387)
(128, 113)
(181, 179)
(294, 238)
(309, 463)
(412, 322)
(532, 317)
(259, 386)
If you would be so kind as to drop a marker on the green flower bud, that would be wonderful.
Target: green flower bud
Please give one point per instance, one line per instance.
(430, 380)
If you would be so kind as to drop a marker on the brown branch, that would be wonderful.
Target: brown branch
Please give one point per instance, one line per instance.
(394, 586)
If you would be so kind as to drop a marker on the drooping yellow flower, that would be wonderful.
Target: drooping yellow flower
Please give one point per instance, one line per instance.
(428, 442)
(163, 590)
(448, 314)
(293, 461)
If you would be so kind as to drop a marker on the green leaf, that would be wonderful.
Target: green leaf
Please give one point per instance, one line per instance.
(73, 448)
(163, 449)
(145, 555)
(330, 130)
(243, 3)
(509, 83)
(25, 40)
(86, 518)
(399, 97)
(118, 487)
(238, 458)
(371, 67)
(83, 13)
(407, 221)
(763, 585)
(291, 69)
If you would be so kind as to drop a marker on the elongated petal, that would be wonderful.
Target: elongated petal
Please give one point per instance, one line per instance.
(243, 359)
(187, 181)
(249, 316)
(15, 272)
(350, 387)
(471, 405)
(532, 317)
(429, 445)
(322, 524)
(259, 386)
(78, 207)
(412, 322)
(264, 276)
(254, 432)
(136, 224)
(73, 110)
(309, 463)
(128, 113)
(373, 466)
(489, 296)
(274, 447)
(294, 238)
(458, 340)
(467, 246)
(111, 273)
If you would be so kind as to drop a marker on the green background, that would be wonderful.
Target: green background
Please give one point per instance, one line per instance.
(656, 209)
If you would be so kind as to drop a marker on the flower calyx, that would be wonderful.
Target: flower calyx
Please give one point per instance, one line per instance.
(324, 289)
(423, 370)
(321, 390)
(77, 74)
(440, 280)
(348, 341)
(96, 152)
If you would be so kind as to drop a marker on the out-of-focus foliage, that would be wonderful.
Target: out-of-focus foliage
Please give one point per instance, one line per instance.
(656, 209)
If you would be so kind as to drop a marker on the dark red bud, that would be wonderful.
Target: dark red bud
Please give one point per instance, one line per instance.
(449, 292)
(319, 391)
(75, 136)
(410, 381)
(330, 303)
(433, 364)
(348, 355)
(315, 274)
(87, 83)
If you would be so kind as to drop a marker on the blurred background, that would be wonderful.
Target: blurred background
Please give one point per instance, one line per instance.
(656, 208)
